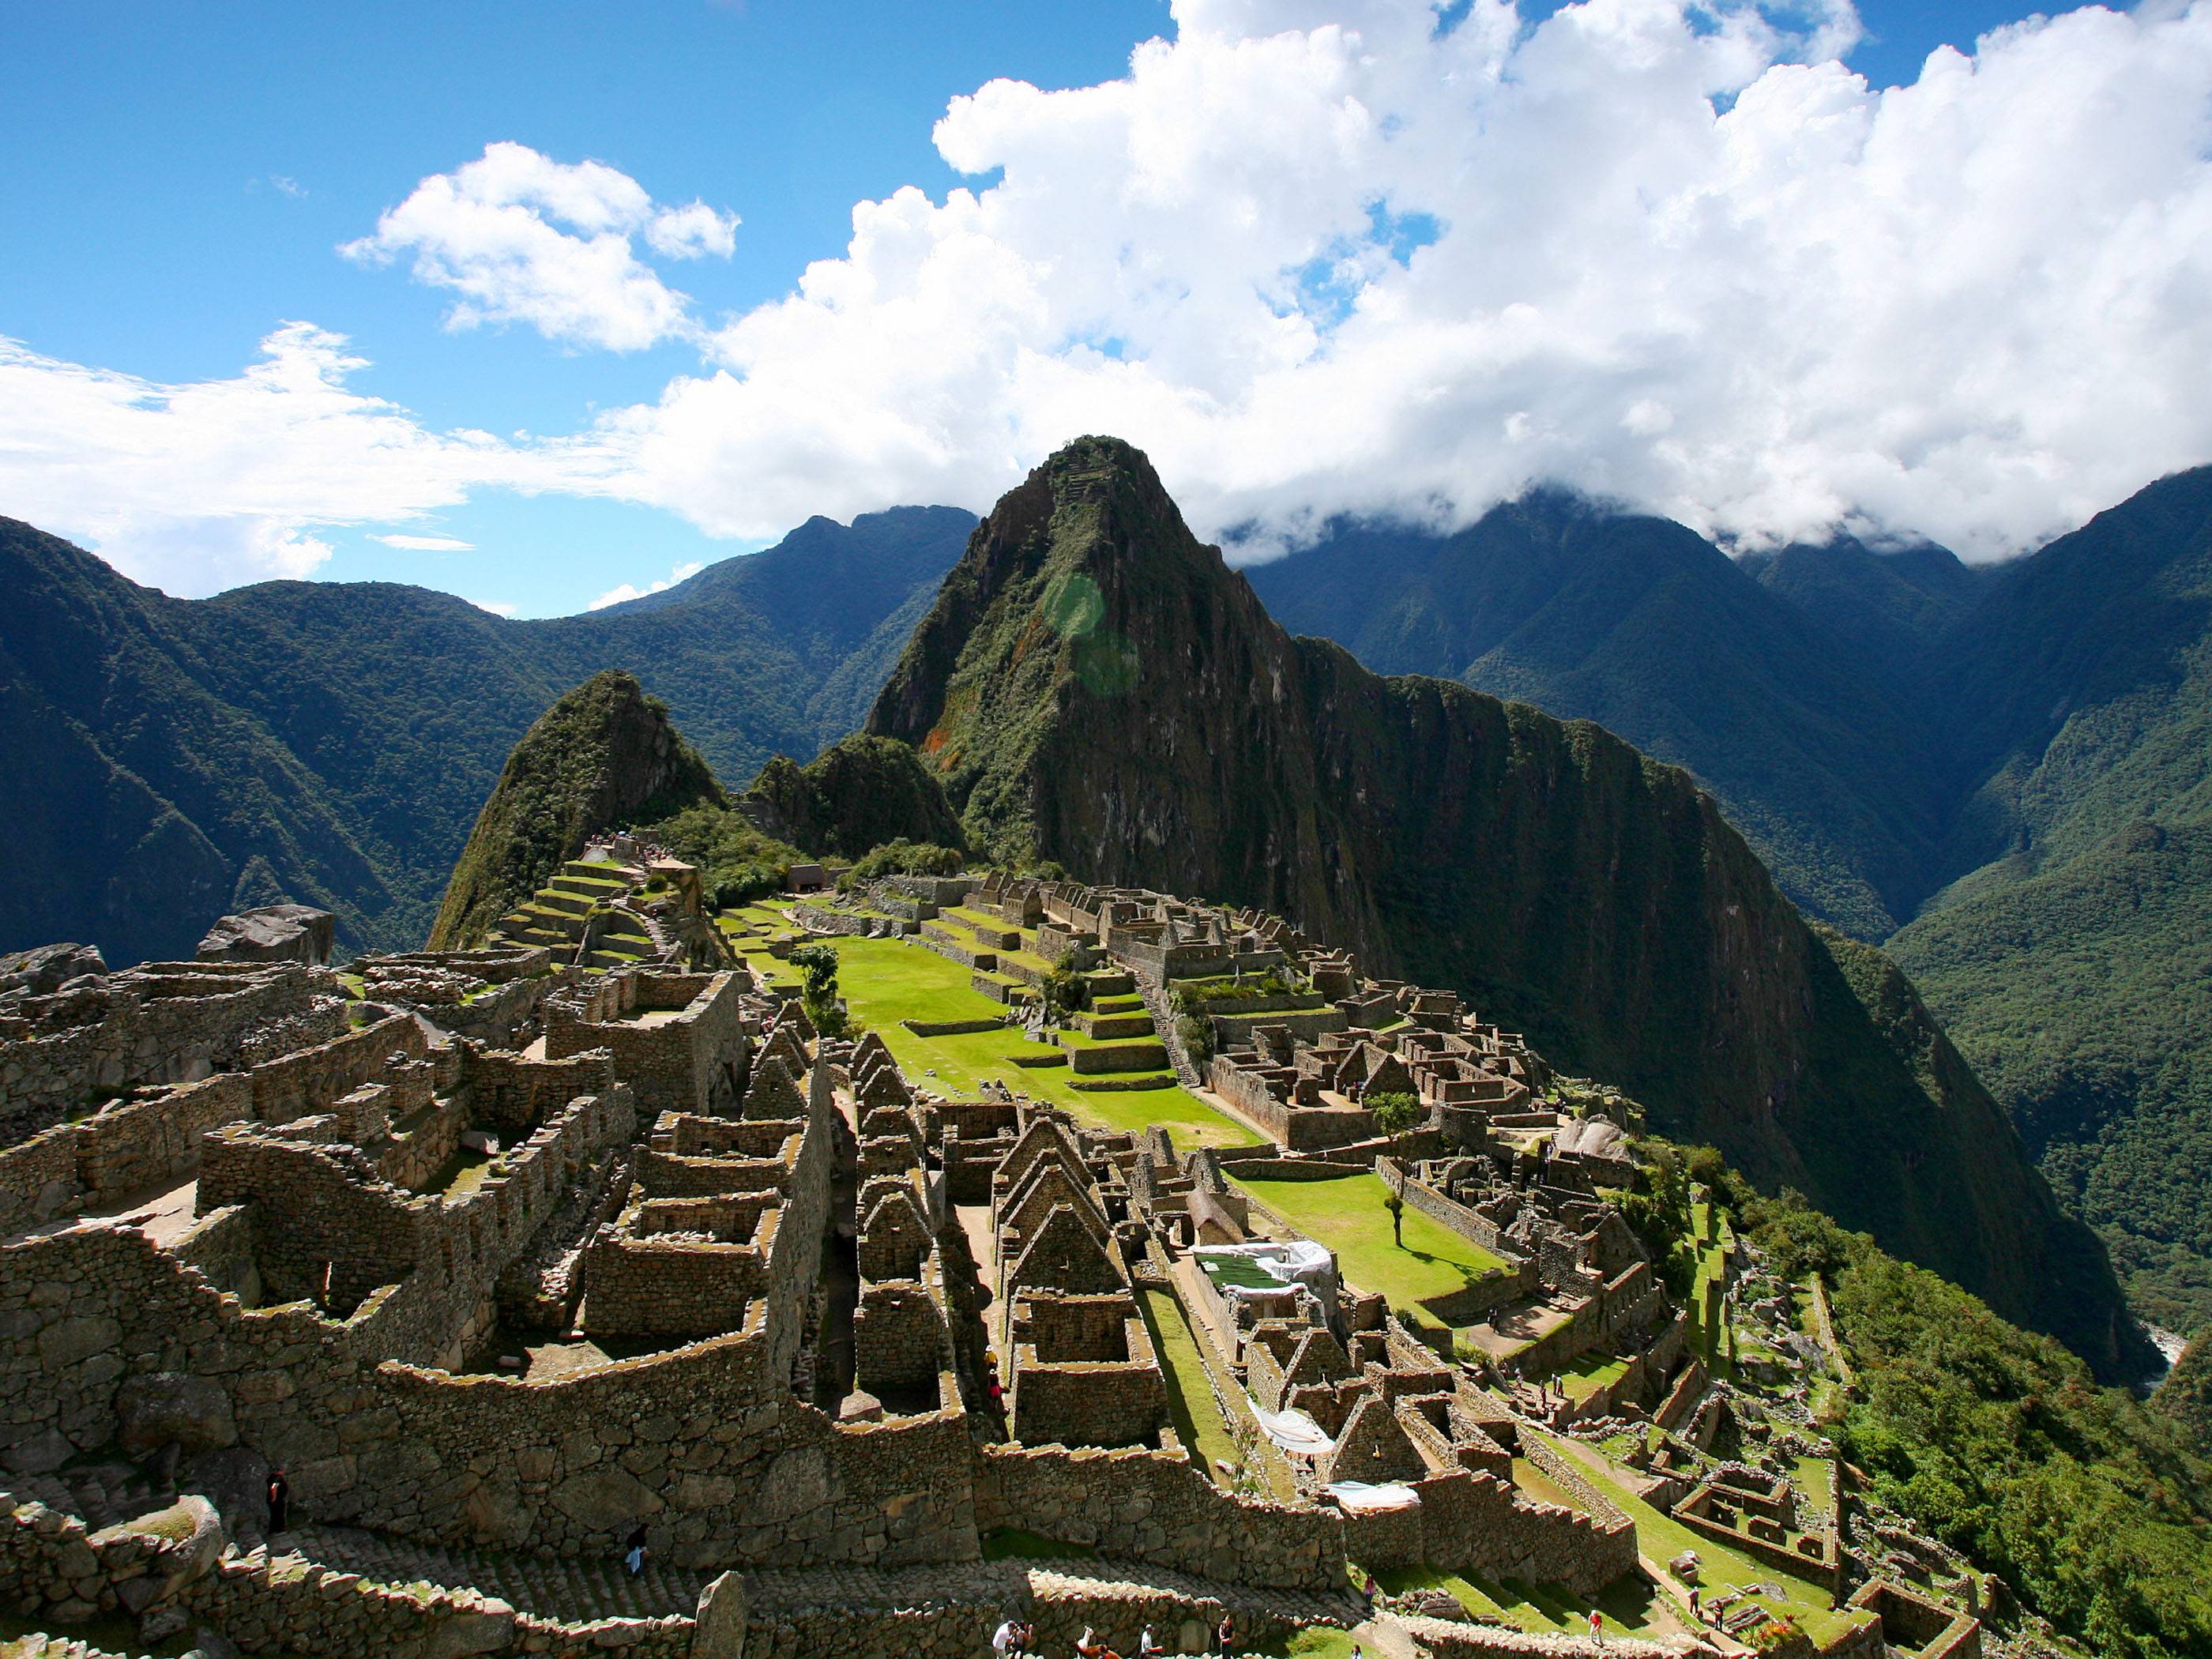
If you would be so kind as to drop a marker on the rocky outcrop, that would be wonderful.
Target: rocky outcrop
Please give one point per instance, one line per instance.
(1096, 688)
(45, 970)
(272, 932)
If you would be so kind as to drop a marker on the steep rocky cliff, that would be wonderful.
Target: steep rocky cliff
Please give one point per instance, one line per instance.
(603, 756)
(1096, 687)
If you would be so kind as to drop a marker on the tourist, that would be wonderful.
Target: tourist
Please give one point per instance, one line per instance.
(1088, 1646)
(1146, 1647)
(1006, 1639)
(1597, 1627)
(633, 1553)
(1225, 1634)
(280, 1500)
(1696, 1611)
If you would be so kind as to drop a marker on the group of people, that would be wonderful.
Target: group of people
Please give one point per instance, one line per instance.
(1018, 1640)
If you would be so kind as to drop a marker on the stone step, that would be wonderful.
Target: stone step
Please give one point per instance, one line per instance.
(1107, 1027)
(99, 1494)
(572, 1591)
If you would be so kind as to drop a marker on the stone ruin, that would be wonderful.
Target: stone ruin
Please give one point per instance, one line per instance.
(503, 1258)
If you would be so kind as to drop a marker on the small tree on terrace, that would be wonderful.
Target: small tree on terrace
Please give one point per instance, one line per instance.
(818, 967)
(1396, 1113)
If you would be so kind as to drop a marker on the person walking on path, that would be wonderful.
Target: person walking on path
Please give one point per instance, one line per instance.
(1597, 1627)
(280, 1500)
(1006, 1639)
(1224, 1635)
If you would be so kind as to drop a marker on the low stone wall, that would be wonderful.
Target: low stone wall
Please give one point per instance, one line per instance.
(1446, 1639)
(1154, 1507)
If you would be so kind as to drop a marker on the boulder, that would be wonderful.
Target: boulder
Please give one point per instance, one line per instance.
(45, 970)
(719, 1630)
(273, 932)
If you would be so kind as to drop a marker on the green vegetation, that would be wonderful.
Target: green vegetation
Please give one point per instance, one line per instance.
(818, 972)
(1012, 1544)
(603, 756)
(2082, 995)
(902, 857)
(1396, 1115)
(860, 793)
(1422, 1276)
(886, 980)
(1192, 1407)
(737, 863)
(2090, 1504)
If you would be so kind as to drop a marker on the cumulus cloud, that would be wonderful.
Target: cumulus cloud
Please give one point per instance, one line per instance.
(1366, 265)
(497, 607)
(1321, 257)
(626, 592)
(525, 239)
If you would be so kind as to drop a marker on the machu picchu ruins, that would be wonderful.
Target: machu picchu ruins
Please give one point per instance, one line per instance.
(1069, 1263)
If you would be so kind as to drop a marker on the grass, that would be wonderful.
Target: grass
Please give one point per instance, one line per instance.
(1191, 1405)
(884, 980)
(1348, 1214)
(1631, 1605)
(1723, 1568)
(1584, 1375)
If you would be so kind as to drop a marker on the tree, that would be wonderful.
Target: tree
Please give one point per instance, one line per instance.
(818, 967)
(1064, 988)
(1396, 1113)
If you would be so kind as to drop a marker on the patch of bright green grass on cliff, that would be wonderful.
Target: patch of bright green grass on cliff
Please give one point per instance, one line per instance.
(1349, 1215)
(884, 980)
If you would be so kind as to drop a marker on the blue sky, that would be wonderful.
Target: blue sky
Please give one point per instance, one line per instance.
(181, 181)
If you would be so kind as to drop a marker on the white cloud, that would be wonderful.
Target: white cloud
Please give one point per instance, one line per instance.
(492, 231)
(497, 607)
(426, 544)
(1317, 258)
(626, 592)
(202, 485)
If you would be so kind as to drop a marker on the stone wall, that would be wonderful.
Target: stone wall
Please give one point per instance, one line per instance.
(694, 1062)
(1155, 1507)
(162, 1023)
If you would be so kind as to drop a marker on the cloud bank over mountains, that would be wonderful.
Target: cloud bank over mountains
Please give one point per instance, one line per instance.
(1316, 259)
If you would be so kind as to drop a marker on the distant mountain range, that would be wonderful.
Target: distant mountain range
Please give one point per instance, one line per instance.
(332, 743)
(2013, 767)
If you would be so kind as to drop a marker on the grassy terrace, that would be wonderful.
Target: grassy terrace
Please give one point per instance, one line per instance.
(884, 980)
(1631, 1606)
(1662, 1538)
(1422, 1280)
(1191, 1405)
(1581, 1377)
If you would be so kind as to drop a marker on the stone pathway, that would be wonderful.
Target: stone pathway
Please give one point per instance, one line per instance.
(574, 1592)
(99, 1494)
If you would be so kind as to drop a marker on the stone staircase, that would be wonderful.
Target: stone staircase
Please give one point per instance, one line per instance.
(573, 1592)
(1156, 1000)
(99, 1494)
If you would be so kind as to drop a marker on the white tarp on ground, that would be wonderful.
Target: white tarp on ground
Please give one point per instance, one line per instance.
(1293, 1431)
(1294, 1261)
(1362, 1498)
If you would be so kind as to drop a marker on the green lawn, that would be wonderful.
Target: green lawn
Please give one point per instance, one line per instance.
(1191, 1405)
(1348, 1214)
(884, 980)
